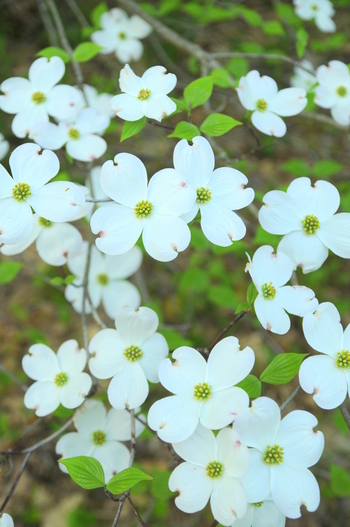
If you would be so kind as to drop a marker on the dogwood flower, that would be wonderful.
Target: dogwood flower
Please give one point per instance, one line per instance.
(98, 435)
(121, 35)
(334, 90)
(305, 215)
(59, 378)
(212, 466)
(321, 11)
(35, 99)
(270, 272)
(146, 95)
(261, 514)
(4, 147)
(326, 376)
(302, 78)
(205, 392)
(261, 96)
(106, 281)
(100, 101)
(153, 211)
(27, 190)
(131, 356)
(6, 520)
(280, 456)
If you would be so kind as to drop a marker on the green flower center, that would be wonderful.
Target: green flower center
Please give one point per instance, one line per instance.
(38, 97)
(343, 359)
(261, 105)
(99, 437)
(44, 222)
(314, 7)
(342, 91)
(21, 191)
(310, 224)
(259, 504)
(269, 292)
(144, 94)
(203, 195)
(61, 379)
(133, 353)
(102, 279)
(122, 35)
(202, 392)
(273, 455)
(214, 469)
(143, 209)
(73, 134)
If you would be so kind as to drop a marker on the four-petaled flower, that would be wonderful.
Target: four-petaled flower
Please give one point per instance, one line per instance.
(321, 11)
(333, 90)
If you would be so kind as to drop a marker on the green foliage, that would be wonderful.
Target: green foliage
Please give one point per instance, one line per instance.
(174, 338)
(340, 481)
(302, 40)
(283, 368)
(287, 14)
(223, 296)
(221, 78)
(340, 422)
(86, 51)
(194, 279)
(327, 168)
(265, 238)
(297, 167)
(160, 489)
(96, 13)
(184, 130)
(218, 124)
(242, 306)
(81, 518)
(238, 66)
(131, 128)
(59, 280)
(9, 271)
(273, 27)
(250, 16)
(53, 51)
(251, 385)
(198, 92)
(85, 471)
(252, 294)
(126, 479)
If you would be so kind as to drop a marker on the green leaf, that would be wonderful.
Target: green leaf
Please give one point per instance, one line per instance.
(69, 279)
(251, 385)
(86, 51)
(273, 27)
(198, 92)
(252, 17)
(9, 271)
(283, 368)
(238, 66)
(57, 280)
(195, 279)
(252, 293)
(126, 479)
(327, 168)
(52, 51)
(242, 306)
(181, 105)
(160, 489)
(302, 40)
(184, 130)
(85, 471)
(297, 167)
(131, 128)
(340, 481)
(221, 78)
(97, 12)
(218, 124)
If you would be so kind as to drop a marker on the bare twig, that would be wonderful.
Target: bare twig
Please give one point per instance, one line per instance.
(120, 506)
(140, 520)
(47, 23)
(345, 414)
(227, 328)
(263, 56)
(290, 398)
(13, 377)
(79, 15)
(15, 483)
(324, 119)
(132, 438)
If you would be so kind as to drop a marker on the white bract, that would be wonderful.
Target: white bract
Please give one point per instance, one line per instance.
(321, 11)
(217, 192)
(59, 378)
(334, 90)
(4, 147)
(262, 514)
(261, 96)
(144, 96)
(205, 392)
(131, 355)
(280, 456)
(6, 520)
(270, 272)
(35, 99)
(32, 169)
(327, 376)
(152, 210)
(106, 280)
(212, 466)
(121, 35)
(302, 78)
(305, 215)
(99, 101)
(98, 435)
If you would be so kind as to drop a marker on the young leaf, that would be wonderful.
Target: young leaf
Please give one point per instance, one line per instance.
(52, 51)
(9, 271)
(86, 51)
(184, 130)
(326, 168)
(181, 105)
(131, 128)
(218, 124)
(221, 78)
(302, 40)
(126, 479)
(283, 368)
(340, 481)
(252, 293)
(198, 92)
(251, 385)
(57, 280)
(85, 471)
(69, 279)
(97, 12)
(242, 306)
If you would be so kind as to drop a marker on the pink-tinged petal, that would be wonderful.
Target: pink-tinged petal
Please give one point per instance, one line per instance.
(269, 266)
(269, 123)
(75, 391)
(228, 500)
(193, 485)
(271, 315)
(170, 194)
(232, 453)
(127, 107)
(256, 481)
(222, 407)
(6, 183)
(296, 300)
(196, 162)
(228, 364)
(49, 135)
(227, 188)
(17, 95)
(335, 234)
(323, 330)
(306, 251)
(280, 214)
(138, 28)
(63, 102)
(91, 121)
(128, 388)
(292, 487)
(221, 226)
(200, 448)
(107, 354)
(15, 221)
(31, 165)
(117, 229)
(321, 199)
(41, 364)
(90, 417)
(45, 73)
(104, 39)
(125, 179)
(289, 101)
(119, 295)
(58, 201)
(257, 426)
(320, 377)
(118, 425)
(43, 397)
(174, 418)
(245, 94)
(124, 265)
(158, 106)
(165, 236)
(129, 82)
(187, 369)
(59, 242)
(299, 440)
(24, 122)
(325, 23)
(158, 80)
(114, 457)
(154, 349)
(128, 50)
(71, 358)
(18, 248)
(87, 148)
(136, 326)
(341, 114)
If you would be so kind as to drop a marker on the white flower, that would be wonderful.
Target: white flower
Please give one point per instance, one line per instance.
(305, 214)
(334, 90)
(261, 514)
(98, 435)
(270, 272)
(261, 96)
(35, 99)
(205, 392)
(31, 170)
(212, 466)
(59, 379)
(153, 211)
(99, 101)
(6, 520)
(302, 78)
(321, 11)
(280, 456)
(121, 35)
(130, 355)
(106, 280)
(4, 147)
(146, 95)
(327, 376)
(94, 184)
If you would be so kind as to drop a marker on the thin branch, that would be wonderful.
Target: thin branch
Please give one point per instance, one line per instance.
(160, 125)
(90, 200)
(15, 483)
(85, 294)
(227, 328)
(345, 414)
(264, 56)
(324, 119)
(215, 522)
(120, 506)
(13, 377)
(290, 398)
(132, 438)
(47, 23)
(79, 15)
(140, 520)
